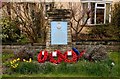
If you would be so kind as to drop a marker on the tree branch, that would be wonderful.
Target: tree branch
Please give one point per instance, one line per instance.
(88, 16)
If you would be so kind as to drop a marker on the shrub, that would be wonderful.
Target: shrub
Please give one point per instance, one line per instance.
(24, 53)
(36, 54)
(116, 19)
(72, 68)
(10, 33)
(27, 68)
(47, 68)
(7, 71)
(116, 14)
(96, 53)
(62, 68)
(35, 67)
(67, 68)
(7, 55)
(84, 68)
(106, 32)
(98, 69)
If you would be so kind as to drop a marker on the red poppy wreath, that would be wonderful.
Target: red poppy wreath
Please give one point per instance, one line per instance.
(70, 53)
(42, 56)
(58, 55)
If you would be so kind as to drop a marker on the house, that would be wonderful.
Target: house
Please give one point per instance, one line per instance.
(100, 10)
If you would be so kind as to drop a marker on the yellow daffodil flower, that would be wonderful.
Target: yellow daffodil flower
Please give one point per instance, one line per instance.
(30, 60)
(18, 59)
(11, 62)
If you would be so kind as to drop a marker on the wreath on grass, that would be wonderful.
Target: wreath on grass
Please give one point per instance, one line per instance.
(58, 55)
(42, 56)
(73, 54)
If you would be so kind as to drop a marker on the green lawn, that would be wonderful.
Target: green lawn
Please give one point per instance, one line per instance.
(47, 75)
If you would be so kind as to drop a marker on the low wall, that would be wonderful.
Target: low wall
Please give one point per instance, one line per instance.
(112, 46)
(18, 47)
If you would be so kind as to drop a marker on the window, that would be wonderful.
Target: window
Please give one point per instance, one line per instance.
(100, 16)
(98, 13)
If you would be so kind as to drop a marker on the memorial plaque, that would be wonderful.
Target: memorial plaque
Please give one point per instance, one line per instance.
(58, 33)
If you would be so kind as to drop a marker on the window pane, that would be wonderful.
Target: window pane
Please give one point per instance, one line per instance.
(100, 5)
(92, 13)
(100, 16)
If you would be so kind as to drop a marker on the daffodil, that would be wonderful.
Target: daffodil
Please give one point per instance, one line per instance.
(14, 63)
(30, 60)
(11, 62)
(14, 60)
(14, 67)
(18, 59)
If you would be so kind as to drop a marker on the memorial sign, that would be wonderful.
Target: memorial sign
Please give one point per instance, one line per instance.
(58, 30)
(58, 33)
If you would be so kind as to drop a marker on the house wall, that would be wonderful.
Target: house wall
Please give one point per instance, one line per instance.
(78, 7)
(115, 1)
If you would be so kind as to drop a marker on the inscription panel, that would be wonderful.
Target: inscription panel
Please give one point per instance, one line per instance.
(58, 32)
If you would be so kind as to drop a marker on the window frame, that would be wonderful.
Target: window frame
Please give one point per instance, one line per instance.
(89, 5)
(97, 8)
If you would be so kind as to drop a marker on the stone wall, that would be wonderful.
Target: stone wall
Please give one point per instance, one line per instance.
(18, 47)
(111, 46)
(50, 47)
(59, 15)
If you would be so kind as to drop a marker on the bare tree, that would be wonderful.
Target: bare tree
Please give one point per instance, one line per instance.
(77, 16)
(29, 18)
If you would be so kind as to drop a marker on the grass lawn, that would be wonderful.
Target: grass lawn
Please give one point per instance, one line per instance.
(47, 75)
(80, 69)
